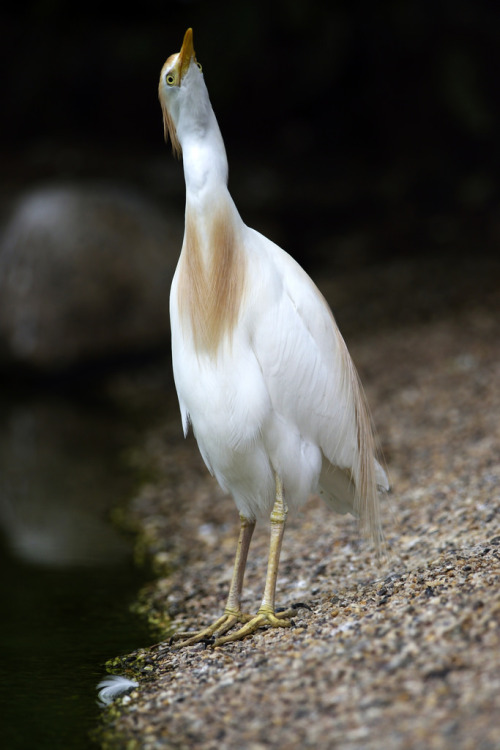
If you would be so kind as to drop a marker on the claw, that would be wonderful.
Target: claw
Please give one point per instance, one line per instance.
(209, 635)
(261, 619)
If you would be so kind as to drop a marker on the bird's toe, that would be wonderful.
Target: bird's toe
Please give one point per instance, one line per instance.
(260, 620)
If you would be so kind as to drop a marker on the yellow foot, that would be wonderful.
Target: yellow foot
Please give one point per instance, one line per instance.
(261, 619)
(218, 628)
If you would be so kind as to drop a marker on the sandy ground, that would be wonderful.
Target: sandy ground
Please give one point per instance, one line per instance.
(400, 655)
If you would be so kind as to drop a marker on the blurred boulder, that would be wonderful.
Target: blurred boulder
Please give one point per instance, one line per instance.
(85, 273)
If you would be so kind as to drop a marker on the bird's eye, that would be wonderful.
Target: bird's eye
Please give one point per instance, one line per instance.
(199, 65)
(170, 79)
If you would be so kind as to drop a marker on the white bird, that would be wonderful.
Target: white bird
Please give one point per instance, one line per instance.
(262, 372)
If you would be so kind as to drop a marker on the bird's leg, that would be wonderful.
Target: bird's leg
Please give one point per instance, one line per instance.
(266, 614)
(277, 519)
(232, 612)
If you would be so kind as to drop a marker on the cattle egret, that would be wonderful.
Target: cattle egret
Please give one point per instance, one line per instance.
(262, 374)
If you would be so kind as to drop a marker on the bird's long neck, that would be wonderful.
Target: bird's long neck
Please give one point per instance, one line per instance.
(204, 159)
(212, 263)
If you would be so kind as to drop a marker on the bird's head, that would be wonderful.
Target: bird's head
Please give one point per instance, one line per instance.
(182, 93)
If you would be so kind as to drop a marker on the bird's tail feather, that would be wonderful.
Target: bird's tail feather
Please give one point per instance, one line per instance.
(355, 489)
(369, 476)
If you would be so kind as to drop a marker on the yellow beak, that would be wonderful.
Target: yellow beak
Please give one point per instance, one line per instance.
(186, 54)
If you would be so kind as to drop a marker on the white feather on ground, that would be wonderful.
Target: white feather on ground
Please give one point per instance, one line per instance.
(114, 687)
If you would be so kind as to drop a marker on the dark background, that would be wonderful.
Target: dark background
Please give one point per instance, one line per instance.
(336, 115)
(362, 137)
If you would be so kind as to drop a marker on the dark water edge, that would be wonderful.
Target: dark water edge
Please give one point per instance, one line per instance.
(68, 578)
(58, 630)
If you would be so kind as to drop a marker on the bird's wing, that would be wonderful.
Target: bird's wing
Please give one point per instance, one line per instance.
(312, 381)
(304, 360)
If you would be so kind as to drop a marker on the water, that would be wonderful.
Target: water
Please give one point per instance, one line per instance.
(67, 576)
